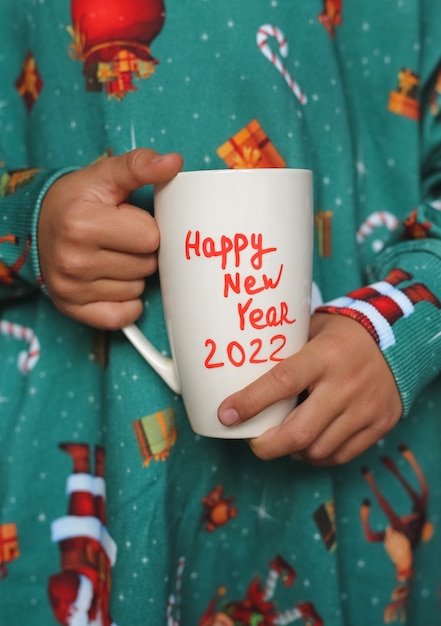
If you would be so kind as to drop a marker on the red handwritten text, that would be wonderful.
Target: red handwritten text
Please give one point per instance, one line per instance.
(258, 318)
(237, 354)
(249, 283)
(227, 246)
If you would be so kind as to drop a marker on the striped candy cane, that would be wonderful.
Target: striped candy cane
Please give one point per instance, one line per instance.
(27, 359)
(374, 221)
(262, 37)
(175, 599)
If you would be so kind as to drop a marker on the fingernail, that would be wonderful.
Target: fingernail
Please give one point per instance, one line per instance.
(157, 157)
(229, 417)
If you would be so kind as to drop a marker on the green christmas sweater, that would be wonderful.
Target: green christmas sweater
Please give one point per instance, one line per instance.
(112, 511)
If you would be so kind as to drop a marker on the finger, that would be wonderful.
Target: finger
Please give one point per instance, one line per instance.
(108, 265)
(114, 178)
(123, 228)
(301, 428)
(120, 266)
(102, 290)
(287, 379)
(338, 431)
(349, 449)
(356, 445)
(341, 442)
(107, 315)
(130, 229)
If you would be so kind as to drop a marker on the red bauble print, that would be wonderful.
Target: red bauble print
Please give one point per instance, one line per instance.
(113, 38)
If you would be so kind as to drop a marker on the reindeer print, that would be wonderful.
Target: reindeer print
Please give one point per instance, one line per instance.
(404, 533)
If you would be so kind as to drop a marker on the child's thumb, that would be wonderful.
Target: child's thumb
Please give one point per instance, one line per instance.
(114, 178)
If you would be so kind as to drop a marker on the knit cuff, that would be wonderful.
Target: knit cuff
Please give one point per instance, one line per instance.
(402, 312)
(35, 259)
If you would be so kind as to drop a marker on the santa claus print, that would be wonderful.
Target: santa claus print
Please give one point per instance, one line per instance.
(113, 38)
(80, 592)
(258, 607)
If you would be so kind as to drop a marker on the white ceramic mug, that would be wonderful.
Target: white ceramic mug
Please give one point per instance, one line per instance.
(235, 266)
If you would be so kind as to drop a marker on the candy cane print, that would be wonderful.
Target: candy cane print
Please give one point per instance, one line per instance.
(374, 221)
(170, 605)
(27, 359)
(175, 599)
(262, 37)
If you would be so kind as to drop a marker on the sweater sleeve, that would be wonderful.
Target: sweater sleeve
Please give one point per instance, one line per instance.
(401, 307)
(21, 194)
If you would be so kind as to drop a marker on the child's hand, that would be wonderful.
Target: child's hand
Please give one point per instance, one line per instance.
(352, 398)
(95, 249)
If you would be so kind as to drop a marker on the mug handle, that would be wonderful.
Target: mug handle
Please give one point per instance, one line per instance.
(164, 366)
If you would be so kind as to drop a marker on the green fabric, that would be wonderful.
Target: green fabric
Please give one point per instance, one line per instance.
(201, 526)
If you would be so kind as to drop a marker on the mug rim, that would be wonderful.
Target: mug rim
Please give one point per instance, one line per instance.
(248, 171)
